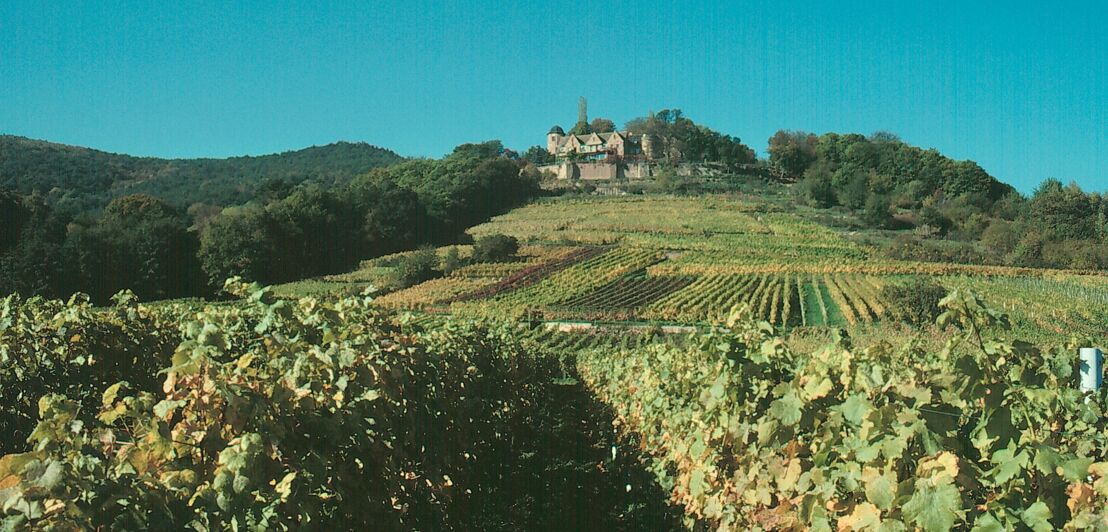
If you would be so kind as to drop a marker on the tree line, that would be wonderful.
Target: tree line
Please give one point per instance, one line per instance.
(288, 232)
(958, 211)
(76, 180)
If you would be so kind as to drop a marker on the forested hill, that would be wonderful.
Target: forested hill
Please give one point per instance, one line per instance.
(76, 179)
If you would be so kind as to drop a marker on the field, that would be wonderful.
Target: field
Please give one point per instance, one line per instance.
(697, 260)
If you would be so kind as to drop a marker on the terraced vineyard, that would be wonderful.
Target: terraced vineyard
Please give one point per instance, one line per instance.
(694, 260)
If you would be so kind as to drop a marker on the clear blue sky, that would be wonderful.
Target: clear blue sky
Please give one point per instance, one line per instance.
(1022, 88)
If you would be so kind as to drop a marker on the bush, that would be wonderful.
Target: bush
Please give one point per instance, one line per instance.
(915, 302)
(931, 217)
(451, 261)
(416, 268)
(876, 212)
(495, 248)
(816, 190)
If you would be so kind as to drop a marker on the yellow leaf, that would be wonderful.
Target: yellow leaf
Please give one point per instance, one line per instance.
(245, 360)
(792, 473)
(9, 481)
(942, 467)
(284, 487)
(865, 516)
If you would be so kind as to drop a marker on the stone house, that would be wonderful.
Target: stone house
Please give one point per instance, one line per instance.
(617, 145)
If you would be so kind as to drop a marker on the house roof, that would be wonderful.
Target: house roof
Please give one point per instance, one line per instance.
(601, 138)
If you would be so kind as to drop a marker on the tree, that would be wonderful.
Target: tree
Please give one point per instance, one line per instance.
(538, 156)
(495, 248)
(884, 136)
(1001, 237)
(816, 186)
(855, 192)
(482, 150)
(792, 151)
(915, 302)
(451, 260)
(416, 268)
(1063, 212)
(934, 218)
(13, 215)
(242, 242)
(392, 216)
(314, 232)
(681, 138)
(602, 125)
(876, 212)
(141, 243)
(273, 190)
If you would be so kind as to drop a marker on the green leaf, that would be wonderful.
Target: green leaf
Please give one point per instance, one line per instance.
(1009, 464)
(934, 507)
(697, 485)
(788, 409)
(987, 523)
(880, 487)
(166, 407)
(717, 390)
(1076, 470)
(856, 408)
(1037, 516)
(1047, 459)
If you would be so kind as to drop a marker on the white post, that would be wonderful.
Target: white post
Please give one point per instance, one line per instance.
(1092, 369)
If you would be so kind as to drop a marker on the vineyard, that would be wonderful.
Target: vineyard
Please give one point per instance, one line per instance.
(694, 260)
(638, 364)
(747, 434)
(267, 413)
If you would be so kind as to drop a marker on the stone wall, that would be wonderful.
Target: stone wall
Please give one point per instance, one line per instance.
(598, 171)
(637, 170)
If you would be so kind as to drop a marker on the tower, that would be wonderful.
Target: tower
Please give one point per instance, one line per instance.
(648, 146)
(553, 139)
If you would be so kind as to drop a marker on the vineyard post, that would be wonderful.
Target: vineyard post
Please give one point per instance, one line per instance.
(1092, 369)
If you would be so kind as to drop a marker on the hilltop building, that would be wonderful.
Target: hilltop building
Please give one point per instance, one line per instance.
(612, 147)
(584, 154)
(619, 145)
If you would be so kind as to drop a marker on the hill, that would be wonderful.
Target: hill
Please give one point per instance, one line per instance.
(657, 260)
(77, 179)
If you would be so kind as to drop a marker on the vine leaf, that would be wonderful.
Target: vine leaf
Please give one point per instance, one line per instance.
(934, 507)
(1037, 516)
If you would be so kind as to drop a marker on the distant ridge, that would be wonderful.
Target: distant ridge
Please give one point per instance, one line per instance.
(78, 178)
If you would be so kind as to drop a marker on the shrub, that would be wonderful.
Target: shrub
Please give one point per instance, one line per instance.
(915, 302)
(417, 267)
(816, 190)
(495, 248)
(935, 219)
(876, 212)
(451, 261)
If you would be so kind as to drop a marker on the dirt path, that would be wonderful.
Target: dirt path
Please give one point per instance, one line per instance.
(569, 480)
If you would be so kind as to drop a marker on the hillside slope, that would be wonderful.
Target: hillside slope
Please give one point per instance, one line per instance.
(78, 179)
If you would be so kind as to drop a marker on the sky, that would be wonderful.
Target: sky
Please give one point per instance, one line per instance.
(1019, 87)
